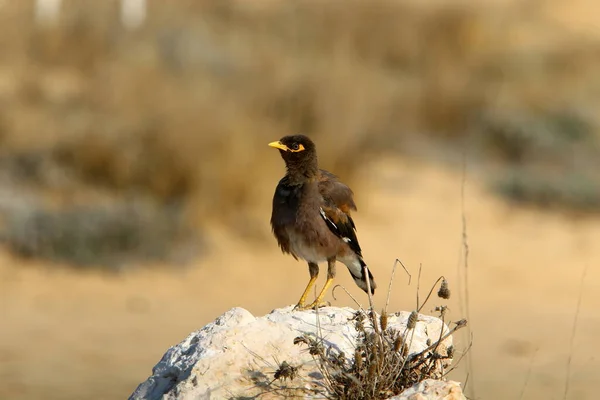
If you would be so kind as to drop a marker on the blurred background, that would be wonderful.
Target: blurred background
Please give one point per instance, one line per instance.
(136, 183)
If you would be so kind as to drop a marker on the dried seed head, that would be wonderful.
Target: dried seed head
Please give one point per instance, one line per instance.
(444, 292)
(371, 338)
(372, 316)
(300, 339)
(358, 359)
(412, 320)
(359, 318)
(315, 349)
(286, 371)
(442, 310)
(404, 350)
(461, 323)
(383, 320)
(450, 351)
(339, 359)
(372, 370)
(397, 343)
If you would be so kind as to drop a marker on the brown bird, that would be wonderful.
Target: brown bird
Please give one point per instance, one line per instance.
(311, 217)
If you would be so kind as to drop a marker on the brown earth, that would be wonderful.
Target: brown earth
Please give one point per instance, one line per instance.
(72, 335)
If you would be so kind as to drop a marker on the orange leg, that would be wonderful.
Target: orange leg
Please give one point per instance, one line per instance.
(313, 269)
(330, 275)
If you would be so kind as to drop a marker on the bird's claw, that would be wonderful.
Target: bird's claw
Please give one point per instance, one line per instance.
(314, 305)
(320, 304)
(300, 307)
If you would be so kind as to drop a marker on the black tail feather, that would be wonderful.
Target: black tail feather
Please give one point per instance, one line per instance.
(361, 281)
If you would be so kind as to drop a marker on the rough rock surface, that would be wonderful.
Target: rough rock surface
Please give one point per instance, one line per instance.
(237, 355)
(432, 389)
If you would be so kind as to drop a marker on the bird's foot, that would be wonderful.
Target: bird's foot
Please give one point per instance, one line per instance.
(300, 307)
(319, 304)
(314, 305)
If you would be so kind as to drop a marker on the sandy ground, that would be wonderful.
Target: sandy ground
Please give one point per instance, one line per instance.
(69, 335)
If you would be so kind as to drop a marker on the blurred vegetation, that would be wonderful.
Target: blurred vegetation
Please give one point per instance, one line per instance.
(566, 191)
(176, 115)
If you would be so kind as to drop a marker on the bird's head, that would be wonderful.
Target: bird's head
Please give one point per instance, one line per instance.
(299, 154)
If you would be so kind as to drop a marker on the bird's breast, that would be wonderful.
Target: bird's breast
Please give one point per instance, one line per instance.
(285, 205)
(303, 247)
(297, 222)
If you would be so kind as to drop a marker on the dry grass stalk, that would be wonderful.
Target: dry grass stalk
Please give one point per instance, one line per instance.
(381, 365)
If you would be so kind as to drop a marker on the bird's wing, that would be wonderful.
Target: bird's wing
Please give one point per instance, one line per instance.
(337, 203)
(335, 192)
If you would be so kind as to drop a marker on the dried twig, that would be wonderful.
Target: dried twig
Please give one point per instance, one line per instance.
(462, 356)
(398, 261)
(349, 295)
(429, 294)
(528, 373)
(465, 246)
(419, 285)
(574, 331)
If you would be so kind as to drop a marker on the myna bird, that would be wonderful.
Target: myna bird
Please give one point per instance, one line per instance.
(311, 217)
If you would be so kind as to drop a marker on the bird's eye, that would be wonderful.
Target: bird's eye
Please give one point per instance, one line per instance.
(294, 146)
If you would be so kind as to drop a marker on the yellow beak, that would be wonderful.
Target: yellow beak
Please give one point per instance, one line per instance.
(279, 145)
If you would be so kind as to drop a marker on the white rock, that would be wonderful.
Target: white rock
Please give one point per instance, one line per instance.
(430, 389)
(238, 354)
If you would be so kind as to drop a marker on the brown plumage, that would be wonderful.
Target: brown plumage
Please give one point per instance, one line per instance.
(311, 217)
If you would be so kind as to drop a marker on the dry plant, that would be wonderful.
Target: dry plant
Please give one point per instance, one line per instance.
(273, 382)
(381, 365)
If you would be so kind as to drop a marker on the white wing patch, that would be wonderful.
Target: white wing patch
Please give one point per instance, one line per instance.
(327, 218)
(345, 239)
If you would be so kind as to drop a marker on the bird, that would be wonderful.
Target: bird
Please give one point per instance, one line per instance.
(311, 218)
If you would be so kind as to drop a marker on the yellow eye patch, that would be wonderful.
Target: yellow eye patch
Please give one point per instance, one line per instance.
(300, 148)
